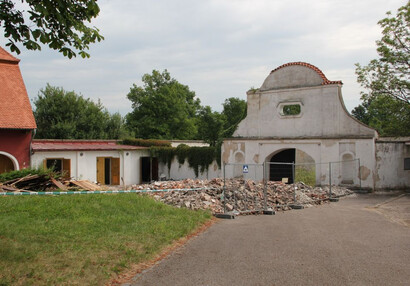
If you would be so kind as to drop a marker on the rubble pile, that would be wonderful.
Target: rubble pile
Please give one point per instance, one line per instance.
(36, 183)
(241, 195)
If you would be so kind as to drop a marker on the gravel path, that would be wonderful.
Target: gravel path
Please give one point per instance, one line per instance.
(344, 243)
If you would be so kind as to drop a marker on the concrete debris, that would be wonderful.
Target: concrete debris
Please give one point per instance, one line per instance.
(241, 195)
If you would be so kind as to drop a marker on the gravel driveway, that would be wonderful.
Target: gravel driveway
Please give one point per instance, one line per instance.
(361, 240)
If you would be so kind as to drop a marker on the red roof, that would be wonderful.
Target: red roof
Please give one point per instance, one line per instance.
(316, 69)
(15, 108)
(39, 145)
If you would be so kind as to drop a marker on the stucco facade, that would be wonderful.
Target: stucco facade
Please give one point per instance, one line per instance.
(83, 164)
(319, 129)
(391, 172)
(120, 164)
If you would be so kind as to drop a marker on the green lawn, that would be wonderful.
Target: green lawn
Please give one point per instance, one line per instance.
(84, 239)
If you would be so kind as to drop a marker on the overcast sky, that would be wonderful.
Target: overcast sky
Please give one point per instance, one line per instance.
(219, 48)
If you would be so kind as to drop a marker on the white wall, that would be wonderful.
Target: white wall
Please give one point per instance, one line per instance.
(180, 172)
(390, 173)
(85, 167)
(322, 151)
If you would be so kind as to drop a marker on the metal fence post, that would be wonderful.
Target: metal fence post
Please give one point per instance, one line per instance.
(224, 188)
(330, 179)
(265, 200)
(294, 184)
(360, 176)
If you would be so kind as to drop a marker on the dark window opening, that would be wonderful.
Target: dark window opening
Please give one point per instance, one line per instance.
(278, 172)
(55, 164)
(406, 163)
(149, 172)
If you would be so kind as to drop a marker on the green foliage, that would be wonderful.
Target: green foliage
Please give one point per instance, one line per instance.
(389, 116)
(162, 108)
(145, 142)
(234, 111)
(199, 158)
(83, 240)
(164, 154)
(389, 75)
(306, 174)
(210, 125)
(60, 24)
(386, 104)
(28, 171)
(65, 115)
(292, 109)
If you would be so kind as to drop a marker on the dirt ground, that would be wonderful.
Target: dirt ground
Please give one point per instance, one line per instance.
(360, 240)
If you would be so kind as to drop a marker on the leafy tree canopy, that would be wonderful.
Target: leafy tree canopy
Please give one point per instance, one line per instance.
(163, 108)
(60, 24)
(210, 125)
(386, 103)
(389, 116)
(389, 75)
(65, 115)
(234, 110)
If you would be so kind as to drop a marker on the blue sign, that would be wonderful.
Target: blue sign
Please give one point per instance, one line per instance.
(245, 169)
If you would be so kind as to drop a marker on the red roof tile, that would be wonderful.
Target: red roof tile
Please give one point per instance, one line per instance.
(39, 145)
(317, 70)
(15, 108)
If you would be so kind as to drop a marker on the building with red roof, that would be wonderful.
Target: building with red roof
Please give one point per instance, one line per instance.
(102, 161)
(16, 117)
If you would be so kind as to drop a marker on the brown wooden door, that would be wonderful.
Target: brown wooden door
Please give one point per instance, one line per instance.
(67, 168)
(100, 170)
(6, 165)
(115, 171)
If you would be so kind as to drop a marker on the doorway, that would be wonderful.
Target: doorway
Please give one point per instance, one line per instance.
(6, 164)
(282, 172)
(108, 170)
(149, 169)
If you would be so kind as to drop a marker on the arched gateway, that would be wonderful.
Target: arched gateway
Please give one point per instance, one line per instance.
(6, 164)
(291, 164)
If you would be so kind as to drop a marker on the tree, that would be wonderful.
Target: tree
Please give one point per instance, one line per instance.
(65, 115)
(163, 108)
(389, 75)
(389, 116)
(210, 125)
(386, 104)
(60, 24)
(234, 110)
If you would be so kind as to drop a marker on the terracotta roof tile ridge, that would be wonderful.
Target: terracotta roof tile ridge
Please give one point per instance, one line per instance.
(7, 57)
(76, 140)
(316, 69)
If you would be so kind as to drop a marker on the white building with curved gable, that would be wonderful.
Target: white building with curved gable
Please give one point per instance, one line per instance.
(298, 115)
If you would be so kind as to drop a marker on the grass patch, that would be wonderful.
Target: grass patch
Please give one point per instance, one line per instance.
(305, 174)
(84, 240)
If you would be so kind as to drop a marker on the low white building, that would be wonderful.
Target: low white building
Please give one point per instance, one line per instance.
(102, 161)
(298, 116)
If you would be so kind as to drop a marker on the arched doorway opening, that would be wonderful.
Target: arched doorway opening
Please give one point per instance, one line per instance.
(292, 164)
(282, 172)
(6, 164)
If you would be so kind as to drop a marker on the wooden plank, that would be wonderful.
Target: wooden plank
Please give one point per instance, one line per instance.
(58, 184)
(26, 178)
(86, 185)
(10, 189)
